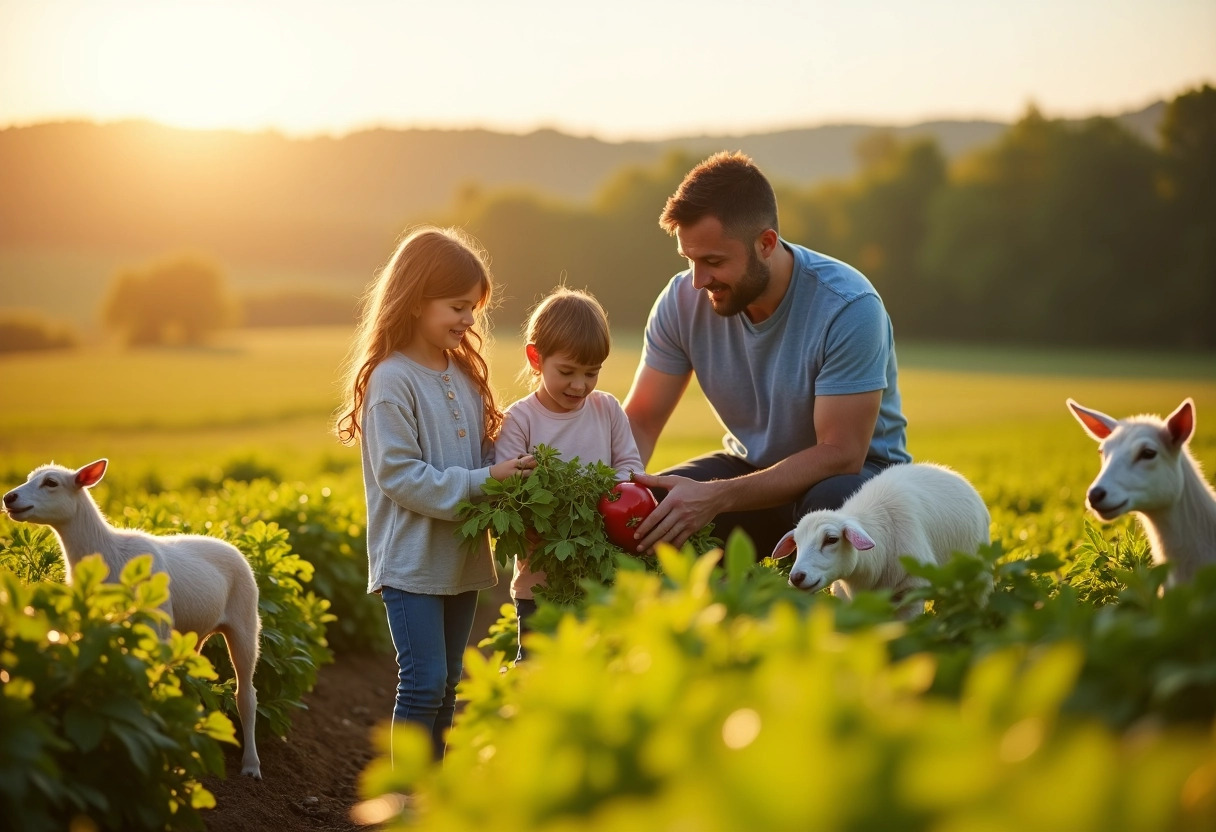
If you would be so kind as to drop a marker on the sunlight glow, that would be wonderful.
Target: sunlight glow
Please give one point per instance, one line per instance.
(645, 70)
(189, 66)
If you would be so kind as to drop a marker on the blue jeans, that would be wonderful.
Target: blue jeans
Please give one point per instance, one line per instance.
(430, 633)
(765, 526)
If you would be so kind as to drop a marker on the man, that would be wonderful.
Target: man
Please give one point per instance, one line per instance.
(794, 351)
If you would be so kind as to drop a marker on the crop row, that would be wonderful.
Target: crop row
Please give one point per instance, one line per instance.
(1050, 685)
(1038, 693)
(102, 719)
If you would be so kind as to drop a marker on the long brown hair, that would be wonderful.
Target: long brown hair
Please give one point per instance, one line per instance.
(428, 263)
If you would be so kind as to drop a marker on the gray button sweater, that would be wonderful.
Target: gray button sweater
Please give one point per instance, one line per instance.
(423, 452)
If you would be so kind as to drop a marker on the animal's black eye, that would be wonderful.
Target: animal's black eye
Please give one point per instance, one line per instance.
(1146, 453)
(50, 483)
(829, 539)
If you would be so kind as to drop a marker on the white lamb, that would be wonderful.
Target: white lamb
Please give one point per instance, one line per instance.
(211, 585)
(919, 510)
(1148, 469)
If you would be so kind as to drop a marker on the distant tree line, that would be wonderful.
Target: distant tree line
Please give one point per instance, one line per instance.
(179, 300)
(1059, 233)
(1070, 233)
(29, 332)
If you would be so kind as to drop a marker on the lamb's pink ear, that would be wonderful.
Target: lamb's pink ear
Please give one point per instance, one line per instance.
(785, 546)
(858, 537)
(1096, 423)
(91, 474)
(1181, 423)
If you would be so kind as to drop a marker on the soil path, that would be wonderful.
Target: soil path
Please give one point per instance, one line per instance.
(310, 778)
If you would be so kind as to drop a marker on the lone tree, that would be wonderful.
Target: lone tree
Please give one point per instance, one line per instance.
(177, 300)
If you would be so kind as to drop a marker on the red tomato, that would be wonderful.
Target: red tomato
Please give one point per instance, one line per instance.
(623, 508)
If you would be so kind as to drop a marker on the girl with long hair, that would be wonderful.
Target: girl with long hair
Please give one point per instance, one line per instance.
(419, 403)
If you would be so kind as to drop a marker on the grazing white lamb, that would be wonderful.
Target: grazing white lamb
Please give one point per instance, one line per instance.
(1148, 469)
(920, 510)
(211, 585)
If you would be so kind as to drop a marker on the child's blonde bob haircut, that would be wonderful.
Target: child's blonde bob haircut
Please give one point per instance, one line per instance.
(568, 322)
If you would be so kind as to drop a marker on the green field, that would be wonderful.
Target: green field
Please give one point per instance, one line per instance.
(996, 414)
(1048, 678)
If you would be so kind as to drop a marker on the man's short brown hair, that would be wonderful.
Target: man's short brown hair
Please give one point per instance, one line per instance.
(727, 186)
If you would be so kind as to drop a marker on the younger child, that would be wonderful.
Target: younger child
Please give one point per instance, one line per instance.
(567, 343)
(419, 400)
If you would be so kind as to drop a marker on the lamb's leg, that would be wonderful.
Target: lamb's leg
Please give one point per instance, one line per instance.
(243, 651)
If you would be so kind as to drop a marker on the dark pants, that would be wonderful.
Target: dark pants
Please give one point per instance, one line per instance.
(765, 526)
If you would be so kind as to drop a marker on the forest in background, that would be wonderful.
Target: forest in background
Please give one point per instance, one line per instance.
(1096, 232)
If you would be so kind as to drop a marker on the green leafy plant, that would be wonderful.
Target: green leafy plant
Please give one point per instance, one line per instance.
(552, 520)
(659, 707)
(32, 552)
(503, 634)
(95, 720)
(294, 619)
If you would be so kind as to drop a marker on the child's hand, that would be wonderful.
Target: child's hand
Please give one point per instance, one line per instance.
(522, 465)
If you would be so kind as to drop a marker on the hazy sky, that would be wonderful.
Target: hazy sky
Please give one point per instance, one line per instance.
(617, 69)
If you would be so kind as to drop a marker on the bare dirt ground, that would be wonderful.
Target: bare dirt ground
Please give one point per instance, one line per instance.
(310, 779)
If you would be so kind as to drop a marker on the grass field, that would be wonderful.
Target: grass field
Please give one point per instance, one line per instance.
(996, 414)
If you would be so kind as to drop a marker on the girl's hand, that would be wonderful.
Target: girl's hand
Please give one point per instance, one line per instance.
(522, 465)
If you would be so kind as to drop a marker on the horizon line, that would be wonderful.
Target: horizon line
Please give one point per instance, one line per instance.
(641, 137)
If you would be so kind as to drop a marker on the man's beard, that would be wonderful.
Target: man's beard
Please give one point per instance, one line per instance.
(744, 293)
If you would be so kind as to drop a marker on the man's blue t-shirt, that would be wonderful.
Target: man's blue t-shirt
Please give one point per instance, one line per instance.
(829, 336)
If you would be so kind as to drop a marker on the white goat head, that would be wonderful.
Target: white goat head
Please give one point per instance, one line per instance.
(50, 495)
(827, 543)
(1140, 469)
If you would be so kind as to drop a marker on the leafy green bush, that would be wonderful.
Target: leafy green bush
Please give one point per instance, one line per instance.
(711, 698)
(1143, 652)
(32, 553)
(94, 720)
(294, 619)
(330, 532)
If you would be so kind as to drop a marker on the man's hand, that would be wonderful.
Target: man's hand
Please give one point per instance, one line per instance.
(688, 506)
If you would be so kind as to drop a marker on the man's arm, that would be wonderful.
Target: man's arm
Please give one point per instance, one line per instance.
(844, 427)
(651, 401)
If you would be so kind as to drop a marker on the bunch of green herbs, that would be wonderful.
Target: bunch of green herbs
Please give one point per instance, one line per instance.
(551, 519)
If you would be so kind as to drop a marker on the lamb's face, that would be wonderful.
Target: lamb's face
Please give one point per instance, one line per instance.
(50, 496)
(1140, 472)
(825, 554)
(1141, 459)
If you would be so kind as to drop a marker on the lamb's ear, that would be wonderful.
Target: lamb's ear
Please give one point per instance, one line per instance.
(1096, 423)
(91, 474)
(1181, 423)
(785, 547)
(856, 535)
